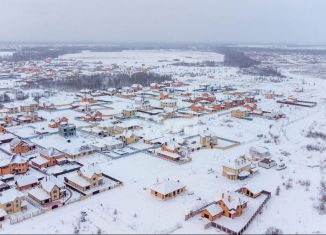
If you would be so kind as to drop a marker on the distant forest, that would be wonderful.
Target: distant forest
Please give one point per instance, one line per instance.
(44, 52)
(236, 58)
(205, 63)
(102, 81)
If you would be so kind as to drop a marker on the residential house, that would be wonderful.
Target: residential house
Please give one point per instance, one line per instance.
(51, 155)
(12, 108)
(219, 106)
(228, 104)
(67, 130)
(11, 201)
(129, 112)
(106, 128)
(267, 163)
(259, 152)
(27, 117)
(167, 189)
(240, 168)
(55, 123)
(128, 137)
(154, 86)
(250, 106)
(164, 96)
(13, 165)
(93, 116)
(26, 182)
(250, 99)
(29, 106)
(208, 139)
(198, 107)
(168, 103)
(239, 113)
(212, 212)
(88, 99)
(46, 192)
(84, 179)
(136, 87)
(18, 146)
(250, 191)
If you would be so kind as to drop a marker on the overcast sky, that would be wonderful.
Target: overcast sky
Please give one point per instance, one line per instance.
(250, 21)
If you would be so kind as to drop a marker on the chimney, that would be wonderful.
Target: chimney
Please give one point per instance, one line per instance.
(229, 198)
(223, 195)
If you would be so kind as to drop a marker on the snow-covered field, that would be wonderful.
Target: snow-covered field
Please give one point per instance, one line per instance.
(148, 57)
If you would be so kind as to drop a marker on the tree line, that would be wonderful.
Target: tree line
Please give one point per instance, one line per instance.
(102, 81)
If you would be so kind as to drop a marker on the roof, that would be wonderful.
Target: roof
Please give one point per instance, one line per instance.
(26, 180)
(172, 144)
(169, 154)
(39, 193)
(244, 174)
(267, 160)
(74, 177)
(168, 101)
(8, 176)
(50, 152)
(237, 163)
(106, 124)
(48, 185)
(236, 199)
(87, 172)
(3, 213)
(39, 160)
(253, 188)
(5, 162)
(6, 136)
(167, 187)
(10, 195)
(214, 209)
(14, 142)
(260, 149)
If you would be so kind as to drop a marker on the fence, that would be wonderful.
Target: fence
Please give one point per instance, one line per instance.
(27, 216)
(42, 211)
(196, 212)
(229, 231)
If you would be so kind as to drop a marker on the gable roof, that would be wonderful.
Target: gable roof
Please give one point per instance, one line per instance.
(214, 209)
(10, 195)
(48, 185)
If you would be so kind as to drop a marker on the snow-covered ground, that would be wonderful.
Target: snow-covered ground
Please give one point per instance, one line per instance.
(132, 209)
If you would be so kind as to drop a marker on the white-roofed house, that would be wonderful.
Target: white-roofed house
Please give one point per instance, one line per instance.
(46, 192)
(84, 179)
(259, 152)
(232, 204)
(239, 168)
(52, 155)
(168, 189)
(208, 139)
(11, 201)
(251, 190)
(19, 146)
(212, 212)
(128, 137)
(26, 182)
